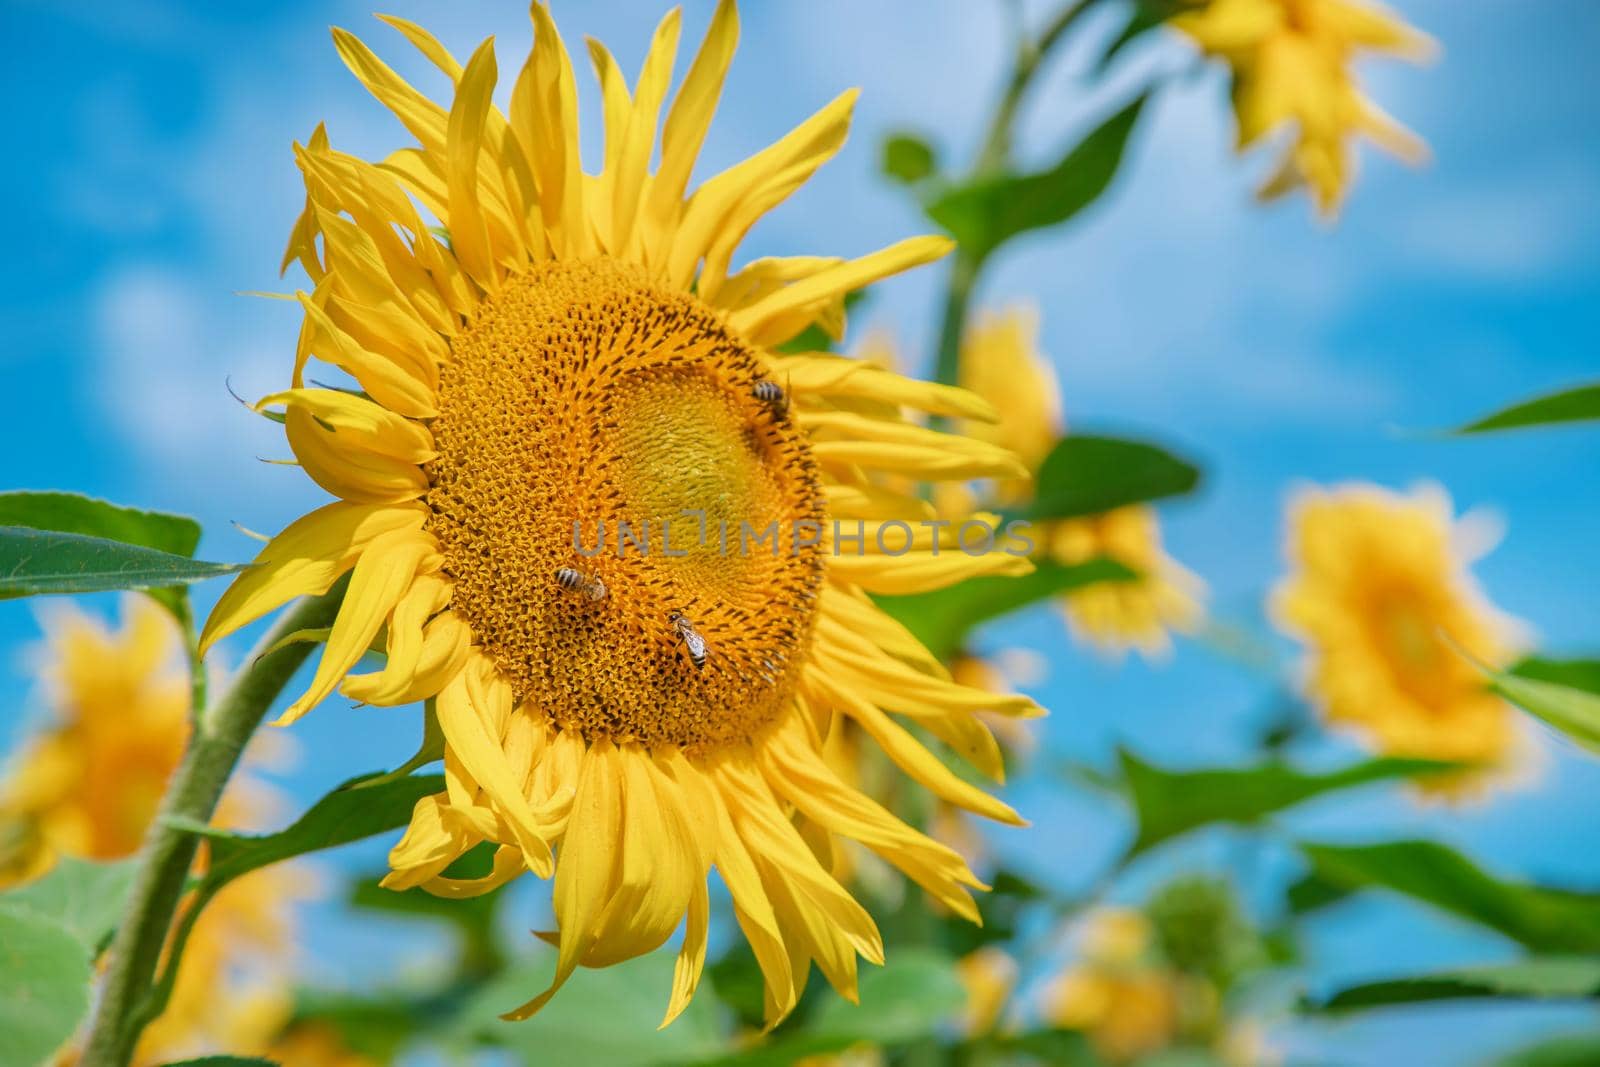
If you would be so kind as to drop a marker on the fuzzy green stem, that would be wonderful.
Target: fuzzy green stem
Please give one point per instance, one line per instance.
(168, 854)
(993, 157)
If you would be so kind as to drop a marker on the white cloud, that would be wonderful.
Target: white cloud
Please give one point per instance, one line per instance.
(1519, 226)
(167, 348)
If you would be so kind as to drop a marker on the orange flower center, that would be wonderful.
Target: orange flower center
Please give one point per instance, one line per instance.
(610, 487)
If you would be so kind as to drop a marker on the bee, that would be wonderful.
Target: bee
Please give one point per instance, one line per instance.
(685, 631)
(772, 394)
(575, 581)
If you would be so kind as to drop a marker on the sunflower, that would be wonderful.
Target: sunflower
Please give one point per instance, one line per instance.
(569, 357)
(232, 993)
(88, 787)
(1000, 361)
(987, 975)
(1380, 595)
(1126, 1002)
(1291, 63)
(89, 784)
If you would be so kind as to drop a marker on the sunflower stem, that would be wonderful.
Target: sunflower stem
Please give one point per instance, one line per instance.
(994, 157)
(168, 853)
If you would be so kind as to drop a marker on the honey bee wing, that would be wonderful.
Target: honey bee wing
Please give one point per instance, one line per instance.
(696, 645)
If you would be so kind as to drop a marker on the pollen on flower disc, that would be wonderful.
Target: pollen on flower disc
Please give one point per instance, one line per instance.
(581, 394)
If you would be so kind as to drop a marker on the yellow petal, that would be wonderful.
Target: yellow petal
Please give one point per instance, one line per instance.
(755, 916)
(687, 122)
(921, 572)
(305, 560)
(657, 875)
(586, 877)
(469, 233)
(633, 161)
(691, 959)
(471, 738)
(835, 281)
(830, 375)
(507, 865)
(398, 388)
(431, 843)
(797, 771)
(725, 207)
(544, 117)
(908, 754)
(381, 577)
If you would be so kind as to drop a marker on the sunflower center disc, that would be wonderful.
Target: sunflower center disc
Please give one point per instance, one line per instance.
(590, 421)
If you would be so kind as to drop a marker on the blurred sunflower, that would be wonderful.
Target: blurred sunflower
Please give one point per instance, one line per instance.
(88, 787)
(1378, 592)
(1001, 362)
(1291, 63)
(1125, 1002)
(988, 975)
(573, 357)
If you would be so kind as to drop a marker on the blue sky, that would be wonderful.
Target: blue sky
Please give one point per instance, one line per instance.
(151, 182)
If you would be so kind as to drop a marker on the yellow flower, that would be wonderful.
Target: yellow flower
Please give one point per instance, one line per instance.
(1135, 614)
(89, 785)
(576, 358)
(1291, 62)
(1128, 1006)
(988, 974)
(859, 1055)
(232, 991)
(1001, 362)
(1378, 592)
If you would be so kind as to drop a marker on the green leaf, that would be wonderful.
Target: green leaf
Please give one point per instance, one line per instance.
(987, 212)
(344, 815)
(225, 1061)
(1543, 919)
(906, 999)
(84, 897)
(1090, 475)
(1169, 803)
(907, 158)
(430, 750)
(1571, 1050)
(34, 562)
(911, 997)
(1145, 16)
(378, 1023)
(1574, 712)
(1569, 405)
(1581, 674)
(607, 1015)
(72, 513)
(942, 619)
(1538, 978)
(472, 917)
(1311, 893)
(44, 986)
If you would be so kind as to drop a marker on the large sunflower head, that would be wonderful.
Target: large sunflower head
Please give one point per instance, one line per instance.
(1380, 595)
(1292, 66)
(624, 545)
